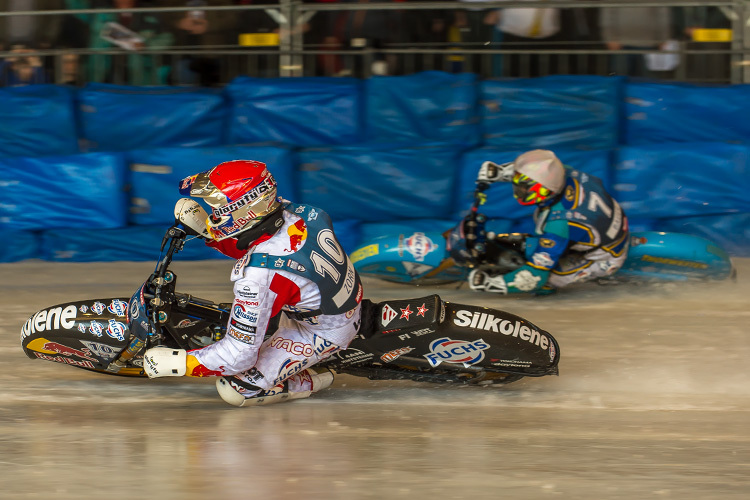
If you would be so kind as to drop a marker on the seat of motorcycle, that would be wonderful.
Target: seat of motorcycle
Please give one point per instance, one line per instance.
(400, 316)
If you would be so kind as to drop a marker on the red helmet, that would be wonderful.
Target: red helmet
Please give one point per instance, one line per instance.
(241, 194)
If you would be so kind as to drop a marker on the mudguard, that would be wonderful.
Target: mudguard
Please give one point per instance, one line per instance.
(420, 257)
(675, 257)
(87, 334)
(429, 333)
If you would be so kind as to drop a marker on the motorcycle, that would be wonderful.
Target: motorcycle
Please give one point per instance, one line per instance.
(423, 339)
(434, 258)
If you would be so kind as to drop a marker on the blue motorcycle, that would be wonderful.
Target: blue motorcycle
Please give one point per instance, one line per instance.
(431, 257)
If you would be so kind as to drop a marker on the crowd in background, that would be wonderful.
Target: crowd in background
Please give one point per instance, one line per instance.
(536, 33)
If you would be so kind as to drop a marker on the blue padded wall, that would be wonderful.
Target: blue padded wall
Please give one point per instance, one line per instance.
(554, 112)
(19, 245)
(424, 107)
(37, 120)
(155, 174)
(295, 111)
(121, 118)
(657, 112)
(80, 191)
(692, 179)
(382, 183)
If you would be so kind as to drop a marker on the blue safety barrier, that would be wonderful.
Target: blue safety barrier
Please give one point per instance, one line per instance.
(657, 112)
(121, 118)
(295, 111)
(19, 245)
(554, 112)
(81, 191)
(37, 120)
(691, 179)
(155, 174)
(379, 183)
(425, 107)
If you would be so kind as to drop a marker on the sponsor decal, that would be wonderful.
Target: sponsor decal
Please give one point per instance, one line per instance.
(419, 245)
(116, 330)
(414, 269)
(525, 281)
(293, 264)
(239, 312)
(546, 243)
(98, 308)
(674, 262)
(278, 262)
(292, 347)
(322, 347)
(81, 328)
(83, 308)
(446, 350)
(364, 252)
(104, 351)
(49, 319)
(248, 303)
(353, 356)
(240, 265)
(96, 329)
(542, 259)
(297, 234)
(313, 215)
(241, 326)
(395, 354)
(490, 323)
(289, 368)
(358, 298)
(299, 210)
(406, 312)
(635, 241)
(552, 351)
(187, 323)
(67, 361)
(417, 333)
(245, 338)
(421, 310)
(247, 292)
(45, 346)
(350, 313)
(514, 363)
(134, 310)
(388, 315)
(570, 193)
(249, 197)
(118, 307)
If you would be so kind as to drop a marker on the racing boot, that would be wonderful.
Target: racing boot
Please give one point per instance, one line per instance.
(237, 392)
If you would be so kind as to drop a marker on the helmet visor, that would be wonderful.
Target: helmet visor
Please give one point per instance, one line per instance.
(527, 191)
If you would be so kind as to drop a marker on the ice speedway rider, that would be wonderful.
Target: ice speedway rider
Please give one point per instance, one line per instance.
(581, 231)
(289, 261)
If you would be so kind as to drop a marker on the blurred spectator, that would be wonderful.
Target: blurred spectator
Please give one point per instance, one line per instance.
(703, 67)
(21, 69)
(634, 28)
(526, 29)
(31, 31)
(199, 29)
(134, 32)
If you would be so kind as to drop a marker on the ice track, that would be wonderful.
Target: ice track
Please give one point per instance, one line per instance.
(652, 401)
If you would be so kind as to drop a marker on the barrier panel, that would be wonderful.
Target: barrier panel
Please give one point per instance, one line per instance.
(121, 118)
(553, 112)
(19, 245)
(691, 179)
(424, 107)
(37, 120)
(731, 232)
(155, 175)
(81, 191)
(379, 183)
(660, 112)
(295, 111)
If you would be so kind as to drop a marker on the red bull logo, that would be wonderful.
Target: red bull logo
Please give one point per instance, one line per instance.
(45, 346)
(297, 234)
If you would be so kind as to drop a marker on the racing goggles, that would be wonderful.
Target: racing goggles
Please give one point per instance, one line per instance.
(527, 191)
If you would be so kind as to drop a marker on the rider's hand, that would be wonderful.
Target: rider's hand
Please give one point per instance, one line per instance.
(165, 362)
(192, 216)
(481, 281)
(491, 172)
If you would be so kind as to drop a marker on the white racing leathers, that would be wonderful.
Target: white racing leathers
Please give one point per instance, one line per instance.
(302, 273)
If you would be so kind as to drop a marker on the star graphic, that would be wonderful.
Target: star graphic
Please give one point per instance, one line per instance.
(406, 312)
(421, 310)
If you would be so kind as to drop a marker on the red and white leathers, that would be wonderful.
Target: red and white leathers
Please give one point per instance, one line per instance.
(260, 294)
